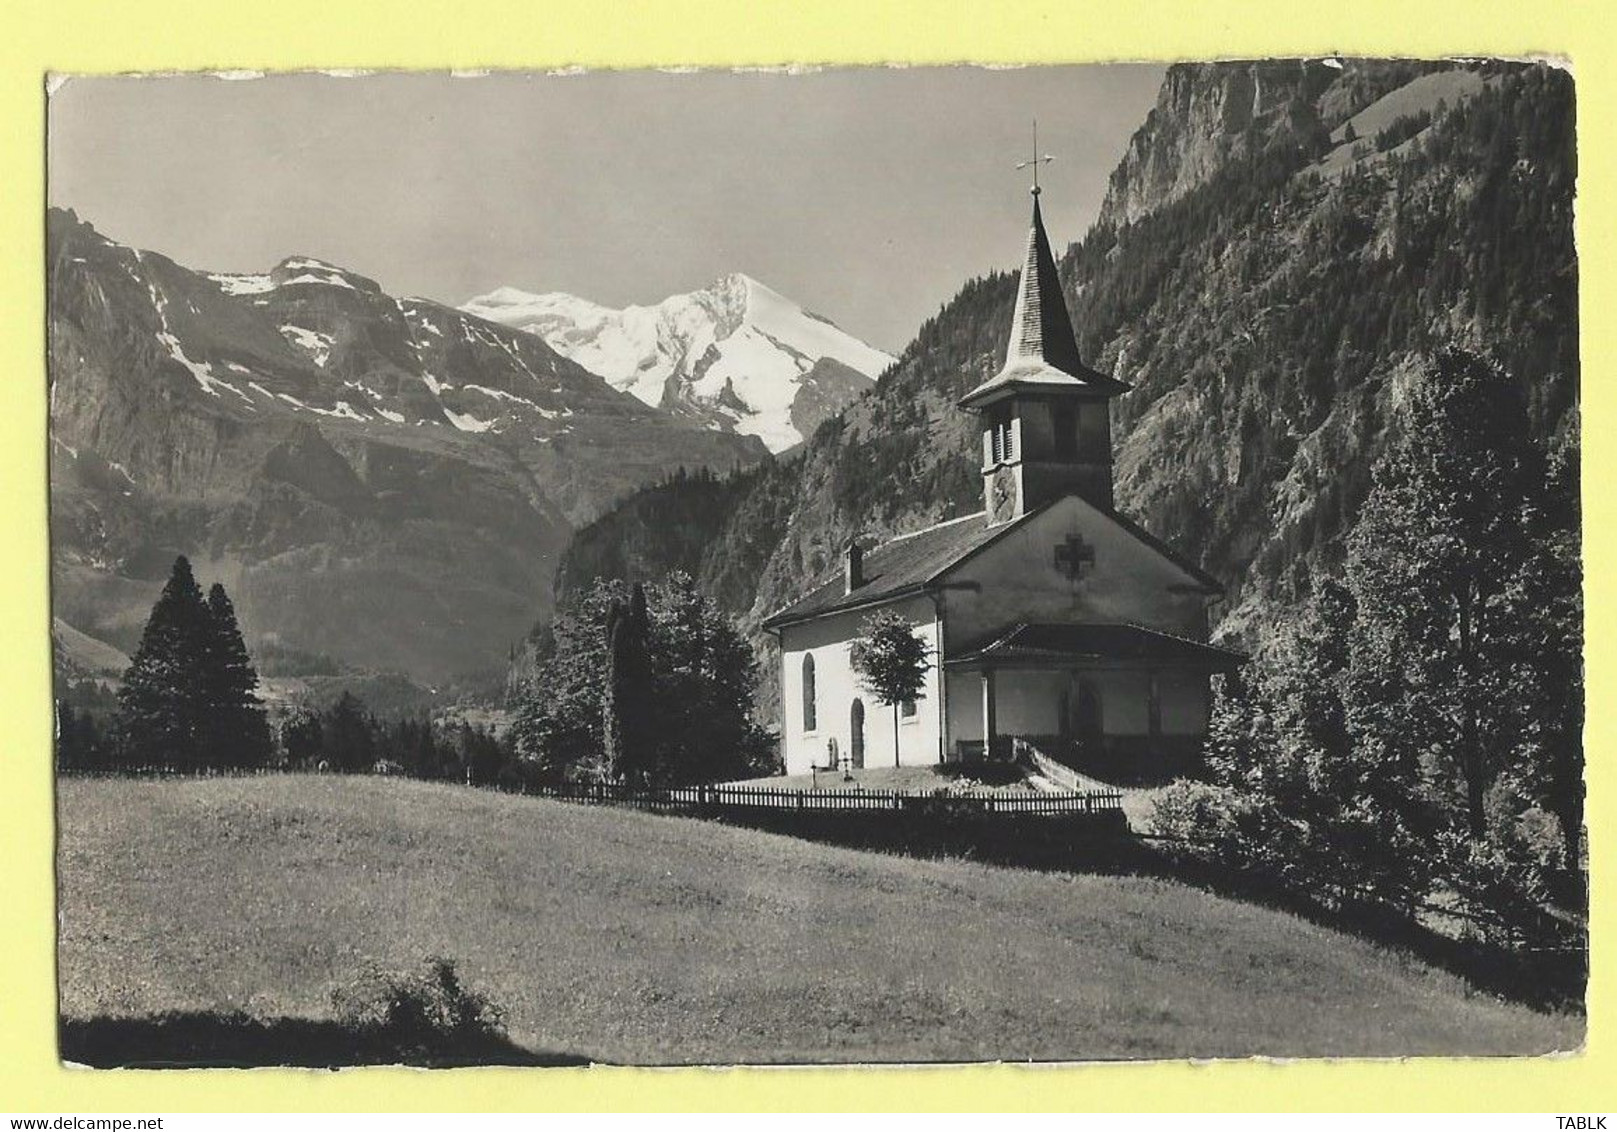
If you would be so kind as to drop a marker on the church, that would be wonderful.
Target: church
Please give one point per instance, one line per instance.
(1047, 616)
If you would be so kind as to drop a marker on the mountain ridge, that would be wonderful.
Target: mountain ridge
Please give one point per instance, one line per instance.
(316, 443)
(735, 355)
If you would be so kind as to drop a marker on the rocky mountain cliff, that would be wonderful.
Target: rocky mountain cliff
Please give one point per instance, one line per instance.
(735, 356)
(1280, 243)
(385, 481)
(1210, 115)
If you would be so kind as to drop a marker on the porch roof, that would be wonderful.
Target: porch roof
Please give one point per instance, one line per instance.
(1062, 645)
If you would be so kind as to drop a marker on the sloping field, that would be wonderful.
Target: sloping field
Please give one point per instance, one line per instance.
(1421, 95)
(630, 937)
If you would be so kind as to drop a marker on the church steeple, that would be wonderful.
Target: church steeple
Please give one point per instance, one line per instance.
(1041, 329)
(1046, 415)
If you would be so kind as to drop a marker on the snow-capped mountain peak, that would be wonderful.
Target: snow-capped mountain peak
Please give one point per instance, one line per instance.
(736, 354)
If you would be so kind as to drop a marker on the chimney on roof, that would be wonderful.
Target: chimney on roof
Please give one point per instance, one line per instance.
(853, 567)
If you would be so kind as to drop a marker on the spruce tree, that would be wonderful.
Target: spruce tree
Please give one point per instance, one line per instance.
(162, 706)
(348, 734)
(237, 733)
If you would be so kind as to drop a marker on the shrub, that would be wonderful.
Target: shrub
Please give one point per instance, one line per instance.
(1214, 817)
(423, 1015)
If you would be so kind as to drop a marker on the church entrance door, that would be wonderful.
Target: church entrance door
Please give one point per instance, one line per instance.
(856, 734)
(1081, 724)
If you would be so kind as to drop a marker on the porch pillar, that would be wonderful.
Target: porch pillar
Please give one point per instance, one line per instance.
(990, 717)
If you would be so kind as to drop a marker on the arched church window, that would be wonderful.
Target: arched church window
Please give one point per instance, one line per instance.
(809, 713)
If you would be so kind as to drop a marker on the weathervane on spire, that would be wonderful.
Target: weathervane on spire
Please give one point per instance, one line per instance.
(1037, 160)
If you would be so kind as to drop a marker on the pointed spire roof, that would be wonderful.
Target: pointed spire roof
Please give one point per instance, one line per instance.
(1043, 350)
(1041, 329)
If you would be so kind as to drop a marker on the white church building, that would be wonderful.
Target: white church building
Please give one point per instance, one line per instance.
(1047, 615)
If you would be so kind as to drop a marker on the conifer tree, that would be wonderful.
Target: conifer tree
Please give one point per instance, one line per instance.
(626, 703)
(237, 733)
(690, 720)
(78, 739)
(163, 702)
(348, 734)
(703, 673)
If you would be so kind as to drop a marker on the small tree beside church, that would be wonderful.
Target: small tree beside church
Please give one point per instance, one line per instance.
(890, 661)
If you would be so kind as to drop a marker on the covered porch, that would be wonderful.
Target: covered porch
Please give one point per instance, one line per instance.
(1121, 703)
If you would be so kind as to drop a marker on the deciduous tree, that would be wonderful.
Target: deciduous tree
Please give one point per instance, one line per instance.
(1440, 540)
(891, 662)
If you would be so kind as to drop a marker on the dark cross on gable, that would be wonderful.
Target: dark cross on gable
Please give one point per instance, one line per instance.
(1037, 160)
(1074, 557)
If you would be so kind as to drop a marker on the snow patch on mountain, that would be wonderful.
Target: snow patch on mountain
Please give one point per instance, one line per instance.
(210, 382)
(243, 284)
(466, 422)
(733, 354)
(317, 345)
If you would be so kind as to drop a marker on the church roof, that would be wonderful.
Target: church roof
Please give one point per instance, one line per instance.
(910, 563)
(1043, 351)
(898, 568)
(1067, 644)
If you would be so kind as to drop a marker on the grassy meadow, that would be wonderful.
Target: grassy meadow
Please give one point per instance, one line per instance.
(627, 937)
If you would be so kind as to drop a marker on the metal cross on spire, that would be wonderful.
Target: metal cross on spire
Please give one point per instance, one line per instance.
(1037, 160)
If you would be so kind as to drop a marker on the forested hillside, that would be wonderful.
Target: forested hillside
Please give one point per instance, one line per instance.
(1279, 242)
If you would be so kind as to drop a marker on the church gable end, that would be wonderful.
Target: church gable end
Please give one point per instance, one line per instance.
(1072, 562)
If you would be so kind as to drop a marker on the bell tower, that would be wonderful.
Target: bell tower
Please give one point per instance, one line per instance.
(1046, 416)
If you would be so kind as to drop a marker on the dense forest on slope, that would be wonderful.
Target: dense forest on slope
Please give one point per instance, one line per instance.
(1279, 242)
(1263, 317)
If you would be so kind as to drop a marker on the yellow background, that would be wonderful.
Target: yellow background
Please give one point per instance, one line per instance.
(162, 35)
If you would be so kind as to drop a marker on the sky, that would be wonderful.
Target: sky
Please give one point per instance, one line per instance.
(868, 195)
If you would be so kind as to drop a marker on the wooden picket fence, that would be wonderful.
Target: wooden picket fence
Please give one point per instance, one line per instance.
(179, 772)
(718, 799)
